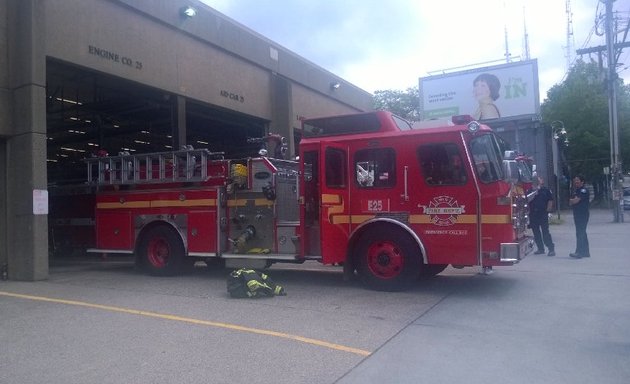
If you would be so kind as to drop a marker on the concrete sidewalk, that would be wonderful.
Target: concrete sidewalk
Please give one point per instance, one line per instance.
(546, 320)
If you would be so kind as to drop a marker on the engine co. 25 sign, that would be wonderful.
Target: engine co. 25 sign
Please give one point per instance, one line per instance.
(114, 57)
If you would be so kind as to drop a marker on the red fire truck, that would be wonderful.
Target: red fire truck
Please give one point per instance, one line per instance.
(388, 202)
(523, 170)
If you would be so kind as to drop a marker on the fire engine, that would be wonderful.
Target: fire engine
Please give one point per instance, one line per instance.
(388, 202)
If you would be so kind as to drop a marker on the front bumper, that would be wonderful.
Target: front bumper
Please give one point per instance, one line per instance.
(514, 252)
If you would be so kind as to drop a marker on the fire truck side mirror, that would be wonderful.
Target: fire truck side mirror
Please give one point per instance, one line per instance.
(510, 169)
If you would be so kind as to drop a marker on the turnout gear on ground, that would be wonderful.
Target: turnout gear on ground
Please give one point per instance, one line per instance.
(250, 283)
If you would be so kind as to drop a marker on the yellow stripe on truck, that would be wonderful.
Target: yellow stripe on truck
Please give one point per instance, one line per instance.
(124, 204)
(496, 219)
(157, 204)
(184, 203)
(423, 219)
(245, 202)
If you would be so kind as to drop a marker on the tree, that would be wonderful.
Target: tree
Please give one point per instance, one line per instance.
(580, 102)
(405, 104)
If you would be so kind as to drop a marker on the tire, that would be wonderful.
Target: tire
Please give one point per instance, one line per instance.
(387, 259)
(431, 270)
(161, 251)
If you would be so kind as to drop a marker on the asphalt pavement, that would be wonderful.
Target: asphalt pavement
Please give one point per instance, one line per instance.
(545, 320)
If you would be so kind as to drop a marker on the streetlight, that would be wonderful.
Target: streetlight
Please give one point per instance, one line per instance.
(557, 132)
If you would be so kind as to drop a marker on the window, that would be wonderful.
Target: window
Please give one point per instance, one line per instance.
(375, 168)
(341, 125)
(442, 164)
(335, 168)
(487, 156)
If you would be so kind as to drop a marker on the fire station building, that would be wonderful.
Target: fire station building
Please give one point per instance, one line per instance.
(82, 76)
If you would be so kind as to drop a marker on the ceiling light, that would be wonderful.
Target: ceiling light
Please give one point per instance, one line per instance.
(68, 101)
(72, 149)
(188, 11)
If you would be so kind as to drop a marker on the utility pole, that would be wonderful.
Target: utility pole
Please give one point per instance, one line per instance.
(611, 48)
(612, 115)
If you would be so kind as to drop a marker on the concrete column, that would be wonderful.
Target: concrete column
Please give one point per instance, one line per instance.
(282, 110)
(3, 205)
(27, 234)
(179, 120)
(5, 128)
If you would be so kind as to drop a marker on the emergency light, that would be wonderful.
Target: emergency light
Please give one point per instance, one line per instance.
(461, 119)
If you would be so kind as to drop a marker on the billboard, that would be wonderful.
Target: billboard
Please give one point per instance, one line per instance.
(501, 91)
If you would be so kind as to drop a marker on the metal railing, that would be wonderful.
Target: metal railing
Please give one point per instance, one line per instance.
(147, 168)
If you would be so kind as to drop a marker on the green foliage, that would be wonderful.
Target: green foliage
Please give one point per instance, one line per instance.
(405, 104)
(581, 103)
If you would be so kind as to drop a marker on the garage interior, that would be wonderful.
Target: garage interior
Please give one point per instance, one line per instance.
(88, 112)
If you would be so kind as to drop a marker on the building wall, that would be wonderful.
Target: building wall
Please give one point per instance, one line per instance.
(306, 104)
(207, 58)
(25, 148)
(127, 44)
(532, 139)
(5, 116)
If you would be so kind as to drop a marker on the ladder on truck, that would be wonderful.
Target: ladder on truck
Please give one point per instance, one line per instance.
(189, 165)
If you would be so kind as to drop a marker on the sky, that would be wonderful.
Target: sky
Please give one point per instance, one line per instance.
(389, 45)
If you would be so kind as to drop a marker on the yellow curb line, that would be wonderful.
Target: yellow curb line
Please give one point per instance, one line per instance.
(302, 339)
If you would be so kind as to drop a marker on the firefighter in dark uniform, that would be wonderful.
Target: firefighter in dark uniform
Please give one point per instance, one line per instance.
(579, 201)
(539, 209)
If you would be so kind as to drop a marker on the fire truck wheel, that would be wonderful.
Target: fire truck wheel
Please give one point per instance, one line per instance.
(161, 251)
(388, 260)
(431, 270)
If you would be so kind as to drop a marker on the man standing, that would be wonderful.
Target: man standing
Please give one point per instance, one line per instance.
(539, 209)
(579, 201)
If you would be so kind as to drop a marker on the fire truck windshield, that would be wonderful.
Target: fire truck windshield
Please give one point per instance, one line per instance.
(486, 154)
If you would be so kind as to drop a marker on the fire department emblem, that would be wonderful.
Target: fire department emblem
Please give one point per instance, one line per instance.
(443, 210)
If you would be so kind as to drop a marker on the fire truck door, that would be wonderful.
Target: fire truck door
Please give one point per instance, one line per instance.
(334, 216)
(446, 212)
(310, 207)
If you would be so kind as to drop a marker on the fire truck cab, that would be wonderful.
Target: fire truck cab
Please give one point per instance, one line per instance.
(388, 202)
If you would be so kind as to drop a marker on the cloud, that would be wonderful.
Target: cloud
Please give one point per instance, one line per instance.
(389, 45)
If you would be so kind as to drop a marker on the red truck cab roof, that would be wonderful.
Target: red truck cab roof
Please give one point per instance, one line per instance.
(378, 123)
(367, 122)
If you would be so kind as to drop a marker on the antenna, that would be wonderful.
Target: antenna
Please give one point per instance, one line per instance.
(507, 49)
(525, 37)
(570, 37)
